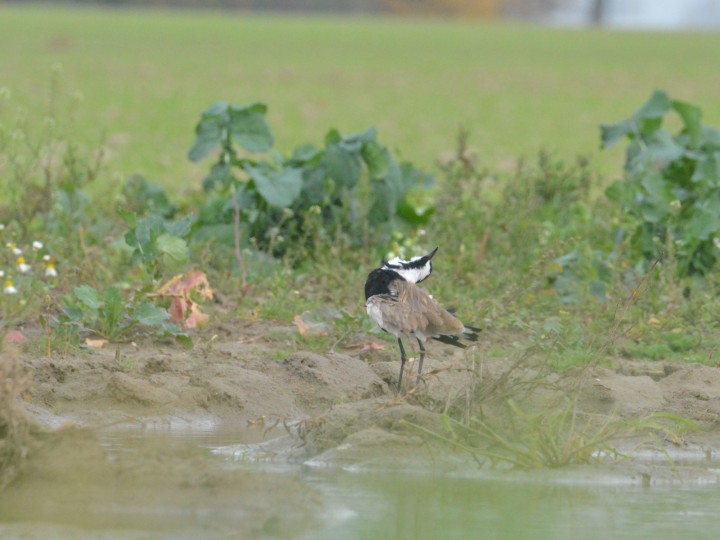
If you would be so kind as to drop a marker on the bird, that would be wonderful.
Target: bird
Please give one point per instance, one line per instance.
(401, 308)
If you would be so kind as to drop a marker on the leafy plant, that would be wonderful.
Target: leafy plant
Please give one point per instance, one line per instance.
(144, 197)
(111, 317)
(671, 190)
(351, 185)
(157, 243)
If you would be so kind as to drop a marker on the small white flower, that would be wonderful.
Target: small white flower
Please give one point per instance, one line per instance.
(2, 273)
(37, 245)
(23, 267)
(50, 271)
(9, 288)
(46, 257)
(2, 226)
(17, 251)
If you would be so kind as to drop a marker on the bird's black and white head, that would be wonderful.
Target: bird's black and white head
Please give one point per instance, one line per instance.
(415, 270)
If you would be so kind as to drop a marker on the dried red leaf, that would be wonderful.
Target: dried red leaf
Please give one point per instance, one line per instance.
(96, 343)
(196, 318)
(15, 336)
(182, 309)
(308, 328)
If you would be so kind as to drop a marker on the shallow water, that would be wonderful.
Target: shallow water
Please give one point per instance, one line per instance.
(374, 503)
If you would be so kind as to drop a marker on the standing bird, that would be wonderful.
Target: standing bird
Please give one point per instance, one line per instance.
(401, 308)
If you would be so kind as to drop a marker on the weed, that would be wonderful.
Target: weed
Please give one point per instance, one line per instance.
(112, 317)
(287, 205)
(556, 437)
(670, 193)
(14, 426)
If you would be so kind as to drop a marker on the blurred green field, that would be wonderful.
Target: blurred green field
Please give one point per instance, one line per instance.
(146, 75)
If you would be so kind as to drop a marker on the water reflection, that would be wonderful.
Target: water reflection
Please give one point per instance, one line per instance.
(213, 491)
(394, 507)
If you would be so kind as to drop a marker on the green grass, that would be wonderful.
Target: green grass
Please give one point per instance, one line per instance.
(146, 76)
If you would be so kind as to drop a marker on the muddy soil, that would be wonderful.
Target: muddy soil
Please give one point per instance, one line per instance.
(338, 408)
(249, 378)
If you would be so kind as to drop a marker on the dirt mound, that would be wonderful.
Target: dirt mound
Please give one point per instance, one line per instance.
(335, 402)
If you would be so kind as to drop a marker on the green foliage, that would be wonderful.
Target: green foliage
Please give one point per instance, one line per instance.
(348, 187)
(44, 174)
(558, 436)
(671, 189)
(143, 197)
(158, 244)
(112, 317)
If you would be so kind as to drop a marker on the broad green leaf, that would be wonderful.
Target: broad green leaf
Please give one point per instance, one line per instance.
(332, 137)
(611, 133)
(208, 135)
(657, 189)
(691, 116)
(174, 248)
(249, 129)
(658, 196)
(180, 228)
(149, 314)
(342, 166)
(707, 169)
(356, 141)
(377, 159)
(394, 183)
(88, 296)
(385, 201)
(314, 187)
(279, 188)
(662, 149)
(219, 175)
(702, 224)
(217, 108)
(304, 153)
(710, 138)
(411, 214)
(656, 107)
(130, 218)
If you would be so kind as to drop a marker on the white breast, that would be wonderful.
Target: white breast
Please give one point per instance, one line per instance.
(373, 310)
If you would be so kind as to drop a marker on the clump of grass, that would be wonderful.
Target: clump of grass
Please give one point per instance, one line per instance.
(554, 437)
(14, 426)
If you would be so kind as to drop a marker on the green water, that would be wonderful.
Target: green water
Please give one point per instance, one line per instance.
(394, 506)
(582, 503)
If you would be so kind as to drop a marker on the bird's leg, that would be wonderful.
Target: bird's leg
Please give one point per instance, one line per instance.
(403, 358)
(422, 357)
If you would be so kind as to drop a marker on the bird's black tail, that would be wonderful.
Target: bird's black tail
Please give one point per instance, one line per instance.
(470, 333)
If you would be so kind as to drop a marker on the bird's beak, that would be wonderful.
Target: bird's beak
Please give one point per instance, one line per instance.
(426, 258)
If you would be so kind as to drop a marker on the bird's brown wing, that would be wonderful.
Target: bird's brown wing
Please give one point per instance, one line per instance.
(415, 311)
